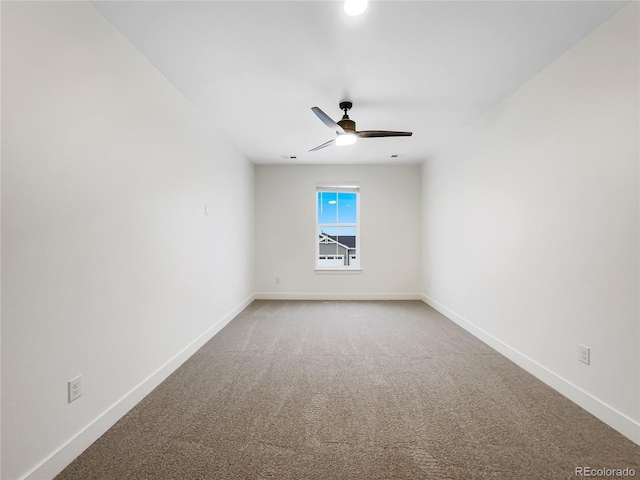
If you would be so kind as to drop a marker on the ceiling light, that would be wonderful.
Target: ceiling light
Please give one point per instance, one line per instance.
(345, 139)
(353, 8)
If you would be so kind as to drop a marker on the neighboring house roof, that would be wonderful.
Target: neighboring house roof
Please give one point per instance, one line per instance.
(347, 241)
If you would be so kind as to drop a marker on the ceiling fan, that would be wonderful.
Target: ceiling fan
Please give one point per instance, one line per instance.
(346, 129)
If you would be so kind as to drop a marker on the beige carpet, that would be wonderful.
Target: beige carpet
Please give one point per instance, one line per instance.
(351, 390)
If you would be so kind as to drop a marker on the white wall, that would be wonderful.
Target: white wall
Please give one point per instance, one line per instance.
(389, 232)
(530, 224)
(110, 269)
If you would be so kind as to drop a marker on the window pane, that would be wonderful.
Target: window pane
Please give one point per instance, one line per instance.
(327, 207)
(329, 251)
(347, 240)
(346, 207)
(347, 236)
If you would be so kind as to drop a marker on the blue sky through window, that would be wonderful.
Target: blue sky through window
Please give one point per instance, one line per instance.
(336, 207)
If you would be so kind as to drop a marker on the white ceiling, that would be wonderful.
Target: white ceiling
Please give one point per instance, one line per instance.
(256, 68)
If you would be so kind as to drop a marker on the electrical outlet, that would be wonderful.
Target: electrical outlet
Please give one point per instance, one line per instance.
(75, 388)
(584, 354)
(277, 279)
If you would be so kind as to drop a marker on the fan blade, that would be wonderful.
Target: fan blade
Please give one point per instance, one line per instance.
(325, 144)
(382, 133)
(327, 120)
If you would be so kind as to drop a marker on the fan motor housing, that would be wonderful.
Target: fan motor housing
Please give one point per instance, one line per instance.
(348, 124)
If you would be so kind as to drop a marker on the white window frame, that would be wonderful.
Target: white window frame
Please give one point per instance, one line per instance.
(351, 268)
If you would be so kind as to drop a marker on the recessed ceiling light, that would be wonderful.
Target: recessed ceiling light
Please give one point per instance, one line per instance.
(353, 8)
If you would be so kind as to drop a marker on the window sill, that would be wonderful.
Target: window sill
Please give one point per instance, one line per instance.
(338, 271)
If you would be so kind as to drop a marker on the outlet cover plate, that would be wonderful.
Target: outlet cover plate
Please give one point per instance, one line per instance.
(584, 354)
(75, 388)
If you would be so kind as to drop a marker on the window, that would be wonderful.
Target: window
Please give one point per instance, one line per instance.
(338, 228)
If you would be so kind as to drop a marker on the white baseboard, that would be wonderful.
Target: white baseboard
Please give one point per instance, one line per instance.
(64, 455)
(609, 415)
(337, 296)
